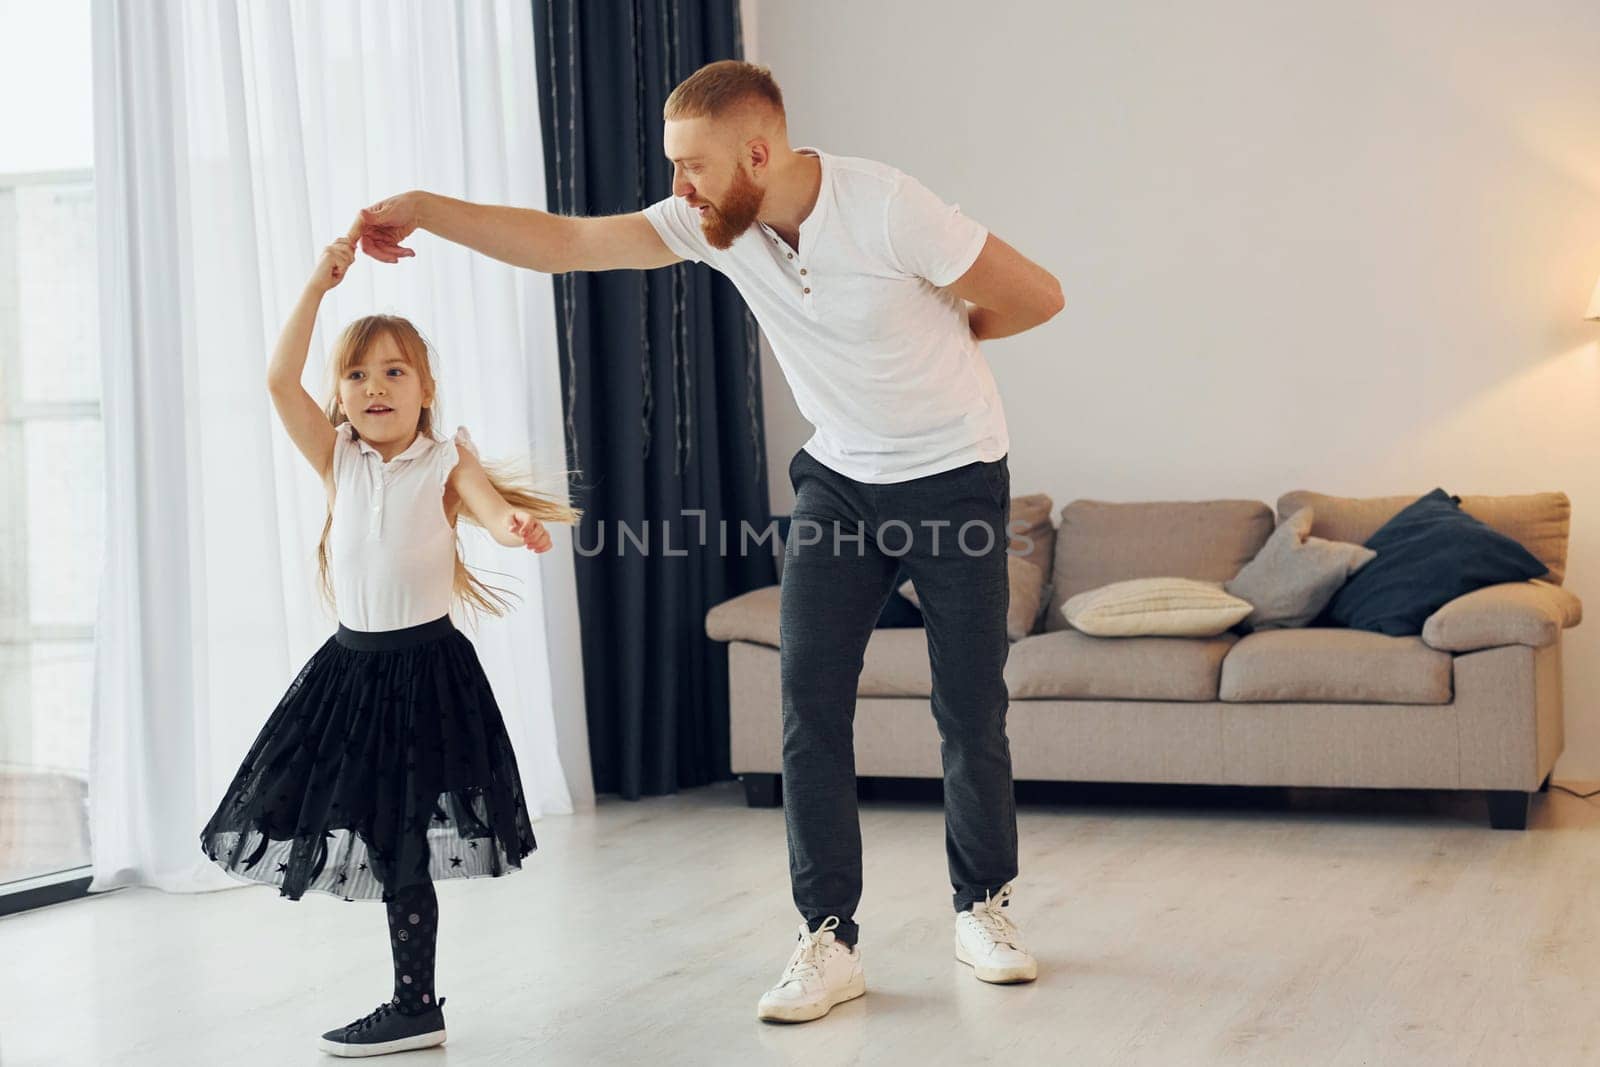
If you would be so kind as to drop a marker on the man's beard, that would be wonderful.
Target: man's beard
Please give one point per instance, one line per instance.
(723, 224)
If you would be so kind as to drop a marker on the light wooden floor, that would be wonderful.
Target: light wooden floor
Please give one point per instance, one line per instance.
(1366, 928)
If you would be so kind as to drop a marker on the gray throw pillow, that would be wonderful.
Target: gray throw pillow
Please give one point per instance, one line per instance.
(1295, 575)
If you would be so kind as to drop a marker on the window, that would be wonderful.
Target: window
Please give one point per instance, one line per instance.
(51, 458)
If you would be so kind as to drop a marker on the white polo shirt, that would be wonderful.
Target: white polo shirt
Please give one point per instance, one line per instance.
(879, 355)
(391, 549)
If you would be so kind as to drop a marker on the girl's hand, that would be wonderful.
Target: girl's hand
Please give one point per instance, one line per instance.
(532, 532)
(333, 265)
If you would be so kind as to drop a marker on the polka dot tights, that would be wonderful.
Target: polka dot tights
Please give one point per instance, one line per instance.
(413, 935)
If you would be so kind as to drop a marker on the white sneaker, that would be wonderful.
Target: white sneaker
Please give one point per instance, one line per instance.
(990, 943)
(822, 972)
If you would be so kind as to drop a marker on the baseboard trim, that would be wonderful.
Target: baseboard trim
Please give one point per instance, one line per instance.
(41, 892)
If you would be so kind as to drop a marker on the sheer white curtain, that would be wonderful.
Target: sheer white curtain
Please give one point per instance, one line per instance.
(233, 141)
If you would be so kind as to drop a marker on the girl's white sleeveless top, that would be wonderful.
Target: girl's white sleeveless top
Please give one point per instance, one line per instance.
(391, 551)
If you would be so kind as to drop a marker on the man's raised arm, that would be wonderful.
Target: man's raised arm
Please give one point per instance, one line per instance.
(523, 237)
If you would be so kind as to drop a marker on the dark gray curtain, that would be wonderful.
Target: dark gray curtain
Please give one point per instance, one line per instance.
(662, 397)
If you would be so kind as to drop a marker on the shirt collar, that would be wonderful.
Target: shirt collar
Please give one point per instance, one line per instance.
(413, 450)
(819, 210)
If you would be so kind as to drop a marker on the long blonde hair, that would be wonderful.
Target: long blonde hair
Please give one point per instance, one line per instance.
(509, 480)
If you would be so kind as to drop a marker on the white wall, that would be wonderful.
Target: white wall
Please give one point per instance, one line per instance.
(1337, 247)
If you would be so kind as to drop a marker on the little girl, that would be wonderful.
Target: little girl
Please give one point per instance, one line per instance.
(386, 765)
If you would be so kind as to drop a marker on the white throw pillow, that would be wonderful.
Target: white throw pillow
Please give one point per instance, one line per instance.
(1155, 607)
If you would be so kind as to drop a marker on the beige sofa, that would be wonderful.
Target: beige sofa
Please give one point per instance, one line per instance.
(1473, 703)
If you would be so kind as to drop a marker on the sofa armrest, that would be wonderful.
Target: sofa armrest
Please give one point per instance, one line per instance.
(1511, 613)
(751, 616)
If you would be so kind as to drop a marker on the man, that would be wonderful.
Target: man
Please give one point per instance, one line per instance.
(874, 295)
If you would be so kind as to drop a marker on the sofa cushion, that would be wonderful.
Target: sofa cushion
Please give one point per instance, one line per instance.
(1155, 607)
(751, 616)
(1529, 613)
(896, 665)
(1538, 522)
(1294, 575)
(1428, 554)
(1068, 665)
(1335, 666)
(1099, 543)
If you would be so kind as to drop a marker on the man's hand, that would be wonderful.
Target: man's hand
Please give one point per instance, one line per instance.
(385, 224)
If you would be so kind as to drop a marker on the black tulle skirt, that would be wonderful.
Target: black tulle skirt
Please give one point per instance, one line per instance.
(386, 764)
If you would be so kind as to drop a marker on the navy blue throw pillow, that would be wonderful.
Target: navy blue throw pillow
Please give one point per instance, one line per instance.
(898, 613)
(1428, 554)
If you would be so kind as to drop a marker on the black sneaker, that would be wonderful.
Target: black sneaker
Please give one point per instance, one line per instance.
(386, 1030)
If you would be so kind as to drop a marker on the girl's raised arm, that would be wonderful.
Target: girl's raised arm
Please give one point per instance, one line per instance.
(306, 422)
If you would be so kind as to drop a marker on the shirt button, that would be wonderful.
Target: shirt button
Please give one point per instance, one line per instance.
(791, 255)
(806, 290)
(802, 270)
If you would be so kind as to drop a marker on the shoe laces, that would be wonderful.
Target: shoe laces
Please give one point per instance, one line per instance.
(374, 1017)
(994, 923)
(807, 959)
